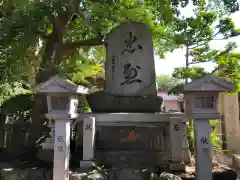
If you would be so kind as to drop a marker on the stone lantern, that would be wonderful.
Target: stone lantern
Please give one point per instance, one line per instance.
(201, 105)
(201, 97)
(62, 101)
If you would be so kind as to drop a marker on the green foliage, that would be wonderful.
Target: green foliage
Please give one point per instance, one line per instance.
(192, 73)
(194, 33)
(190, 137)
(27, 49)
(61, 36)
(83, 104)
(17, 108)
(8, 90)
(228, 66)
(53, 24)
(178, 89)
(166, 83)
(18, 103)
(85, 64)
(215, 136)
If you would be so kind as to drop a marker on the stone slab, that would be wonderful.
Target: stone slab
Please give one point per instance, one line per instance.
(129, 67)
(127, 174)
(102, 101)
(177, 167)
(133, 136)
(131, 117)
(86, 164)
(132, 158)
(236, 160)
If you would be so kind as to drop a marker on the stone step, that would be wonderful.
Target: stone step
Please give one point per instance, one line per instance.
(47, 146)
(49, 140)
(236, 160)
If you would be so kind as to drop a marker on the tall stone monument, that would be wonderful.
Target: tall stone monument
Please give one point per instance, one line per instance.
(130, 68)
(129, 71)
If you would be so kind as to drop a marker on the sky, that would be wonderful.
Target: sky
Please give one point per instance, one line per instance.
(177, 58)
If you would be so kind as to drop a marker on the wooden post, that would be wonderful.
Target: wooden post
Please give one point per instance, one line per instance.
(88, 142)
(61, 150)
(203, 149)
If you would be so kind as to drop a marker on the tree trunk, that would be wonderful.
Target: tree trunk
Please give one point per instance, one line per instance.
(54, 52)
(39, 109)
(51, 56)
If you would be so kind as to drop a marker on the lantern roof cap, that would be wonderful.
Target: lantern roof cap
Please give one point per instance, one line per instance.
(56, 84)
(209, 83)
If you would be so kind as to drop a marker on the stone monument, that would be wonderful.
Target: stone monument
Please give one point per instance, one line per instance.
(129, 108)
(129, 71)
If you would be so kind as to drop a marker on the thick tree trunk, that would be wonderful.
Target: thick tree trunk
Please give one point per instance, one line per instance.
(39, 109)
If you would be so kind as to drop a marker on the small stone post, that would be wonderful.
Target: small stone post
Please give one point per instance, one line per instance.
(176, 144)
(61, 150)
(203, 149)
(88, 142)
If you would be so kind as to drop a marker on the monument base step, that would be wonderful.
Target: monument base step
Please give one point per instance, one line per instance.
(45, 155)
(47, 146)
(177, 167)
(236, 160)
(86, 164)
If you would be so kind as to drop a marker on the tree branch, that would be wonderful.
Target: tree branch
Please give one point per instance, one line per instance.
(204, 43)
(197, 62)
(214, 70)
(83, 43)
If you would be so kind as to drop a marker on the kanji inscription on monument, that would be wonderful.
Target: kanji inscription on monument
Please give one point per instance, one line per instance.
(130, 74)
(130, 68)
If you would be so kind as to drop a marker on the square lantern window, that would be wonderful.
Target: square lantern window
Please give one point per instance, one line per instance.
(205, 102)
(59, 103)
(210, 102)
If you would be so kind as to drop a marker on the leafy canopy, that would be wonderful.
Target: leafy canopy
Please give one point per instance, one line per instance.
(48, 34)
(195, 33)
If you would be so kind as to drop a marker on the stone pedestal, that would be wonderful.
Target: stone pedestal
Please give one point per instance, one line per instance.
(176, 132)
(133, 139)
(88, 142)
(185, 146)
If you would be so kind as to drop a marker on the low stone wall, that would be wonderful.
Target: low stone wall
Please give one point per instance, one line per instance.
(45, 174)
(120, 174)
